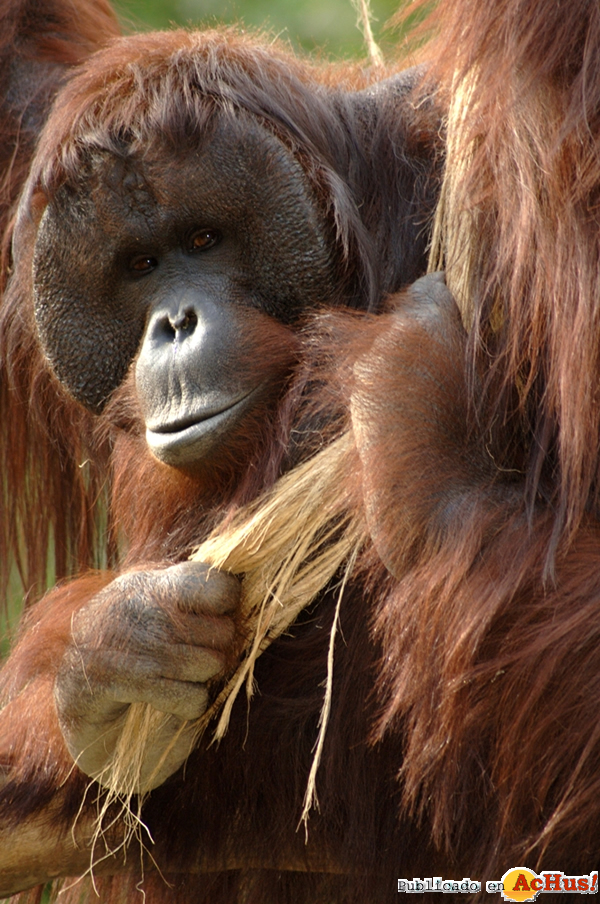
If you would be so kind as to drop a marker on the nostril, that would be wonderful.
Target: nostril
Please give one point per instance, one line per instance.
(171, 328)
(185, 322)
(163, 329)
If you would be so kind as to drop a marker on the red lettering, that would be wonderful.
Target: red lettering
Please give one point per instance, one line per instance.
(583, 884)
(536, 884)
(555, 878)
(570, 879)
(521, 884)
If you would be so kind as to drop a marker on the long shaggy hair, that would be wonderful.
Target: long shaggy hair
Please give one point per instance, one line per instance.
(518, 234)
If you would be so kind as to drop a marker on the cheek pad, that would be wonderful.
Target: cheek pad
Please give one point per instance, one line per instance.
(87, 334)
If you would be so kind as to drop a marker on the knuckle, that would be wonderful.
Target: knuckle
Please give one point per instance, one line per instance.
(206, 588)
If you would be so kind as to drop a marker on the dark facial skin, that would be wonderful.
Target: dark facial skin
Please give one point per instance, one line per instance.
(191, 265)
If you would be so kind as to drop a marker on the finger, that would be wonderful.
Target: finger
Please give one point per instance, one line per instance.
(183, 699)
(199, 630)
(112, 669)
(201, 588)
(189, 663)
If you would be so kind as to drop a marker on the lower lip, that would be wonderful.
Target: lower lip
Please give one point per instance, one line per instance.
(190, 445)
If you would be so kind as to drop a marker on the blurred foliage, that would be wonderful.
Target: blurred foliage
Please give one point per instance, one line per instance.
(9, 617)
(326, 26)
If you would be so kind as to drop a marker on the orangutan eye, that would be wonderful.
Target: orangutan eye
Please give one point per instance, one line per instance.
(143, 263)
(202, 239)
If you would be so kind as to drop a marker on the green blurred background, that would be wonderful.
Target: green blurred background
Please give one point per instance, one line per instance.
(326, 26)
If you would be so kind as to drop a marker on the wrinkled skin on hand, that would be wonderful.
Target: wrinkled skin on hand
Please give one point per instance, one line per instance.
(158, 637)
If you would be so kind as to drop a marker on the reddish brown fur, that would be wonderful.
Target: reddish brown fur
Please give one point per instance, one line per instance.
(44, 633)
(488, 669)
(463, 736)
(37, 46)
(491, 638)
(532, 188)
